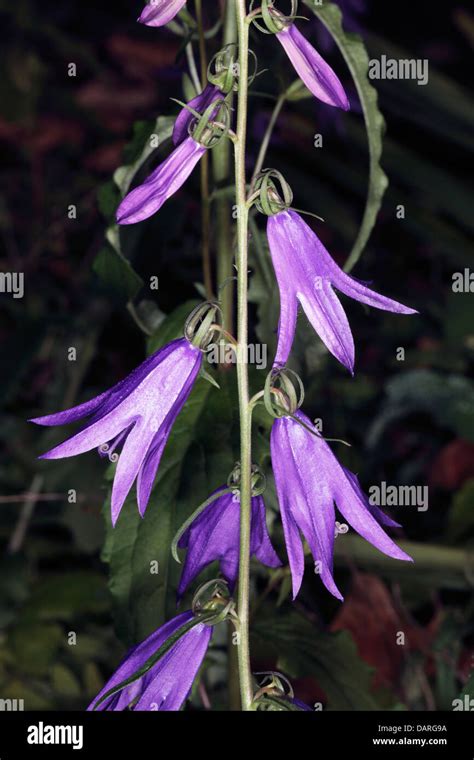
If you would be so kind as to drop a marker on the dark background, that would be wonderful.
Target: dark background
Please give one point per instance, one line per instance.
(409, 422)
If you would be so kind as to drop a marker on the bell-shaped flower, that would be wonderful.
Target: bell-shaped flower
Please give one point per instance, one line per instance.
(160, 12)
(215, 535)
(317, 75)
(309, 482)
(167, 683)
(137, 415)
(146, 199)
(185, 118)
(307, 274)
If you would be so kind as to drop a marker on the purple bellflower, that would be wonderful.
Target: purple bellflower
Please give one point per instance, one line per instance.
(306, 273)
(136, 414)
(185, 118)
(214, 535)
(160, 12)
(309, 480)
(317, 75)
(166, 685)
(146, 199)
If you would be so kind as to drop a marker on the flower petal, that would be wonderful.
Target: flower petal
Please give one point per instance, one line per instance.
(129, 463)
(355, 511)
(104, 403)
(317, 75)
(360, 292)
(329, 320)
(260, 543)
(146, 199)
(199, 103)
(176, 671)
(214, 535)
(147, 473)
(285, 488)
(375, 511)
(137, 657)
(160, 12)
(73, 414)
(317, 519)
(184, 373)
(91, 437)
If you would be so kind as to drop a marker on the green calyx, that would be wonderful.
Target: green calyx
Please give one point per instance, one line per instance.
(203, 325)
(271, 193)
(224, 68)
(258, 480)
(213, 603)
(284, 392)
(274, 20)
(212, 126)
(274, 694)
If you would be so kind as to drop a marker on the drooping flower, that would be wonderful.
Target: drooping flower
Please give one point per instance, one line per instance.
(146, 199)
(214, 535)
(160, 12)
(317, 75)
(306, 273)
(209, 95)
(166, 685)
(136, 414)
(309, 481)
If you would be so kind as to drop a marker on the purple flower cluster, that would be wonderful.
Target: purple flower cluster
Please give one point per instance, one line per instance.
(136, 416)
(307, 274)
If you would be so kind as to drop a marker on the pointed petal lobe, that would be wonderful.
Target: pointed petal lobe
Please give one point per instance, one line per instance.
(317, 75)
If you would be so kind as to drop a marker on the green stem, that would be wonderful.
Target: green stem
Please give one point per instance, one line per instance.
(245, 674)
(233, 686)
(221, 166)
(268, 135)
(205, 200)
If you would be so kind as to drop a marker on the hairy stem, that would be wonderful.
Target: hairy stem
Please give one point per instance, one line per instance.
(245, 675)
(221, 165)
(205, 201)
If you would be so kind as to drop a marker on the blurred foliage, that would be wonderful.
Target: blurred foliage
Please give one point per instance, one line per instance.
(64, 573)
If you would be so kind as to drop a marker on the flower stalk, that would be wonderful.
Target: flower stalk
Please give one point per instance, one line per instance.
(221, 168)
(205, 199)
(245, 675)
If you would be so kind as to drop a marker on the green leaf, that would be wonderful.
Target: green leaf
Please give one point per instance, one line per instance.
(355, 54)
(147, 138)
(64, 682)
(34, 646)
(331, 658)
(113, 268)
(446, 651)
(448, 399)
(63, 597)
(468, 690)
(172, 326)
(461, 514)
(117, 273)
